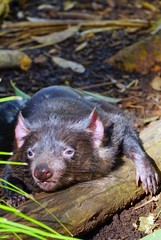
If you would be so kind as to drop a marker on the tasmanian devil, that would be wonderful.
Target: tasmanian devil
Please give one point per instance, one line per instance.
(65, 137)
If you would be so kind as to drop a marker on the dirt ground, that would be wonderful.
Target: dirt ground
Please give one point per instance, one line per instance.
(140, 100)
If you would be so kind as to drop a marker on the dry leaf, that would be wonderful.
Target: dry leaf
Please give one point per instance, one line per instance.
(156, 83)
(61, 62)
(57, 37)
(151, 119)
(14, 58)
(147, 223)
(41, 59)
(120, 86)
(68, 5)
(142, 56)
(36, 20)
(98, 30)
(45, 6)
(4, 7)
(149, 6)
(81, 46)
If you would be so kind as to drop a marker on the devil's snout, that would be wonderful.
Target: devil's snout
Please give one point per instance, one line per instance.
(42, 172)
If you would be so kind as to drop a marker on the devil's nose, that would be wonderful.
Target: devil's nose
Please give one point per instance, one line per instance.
(42, 172)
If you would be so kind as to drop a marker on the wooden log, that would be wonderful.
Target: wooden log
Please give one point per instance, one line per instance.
(83, 206)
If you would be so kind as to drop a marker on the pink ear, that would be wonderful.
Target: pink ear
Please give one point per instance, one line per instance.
(20, 131)
(96, 126)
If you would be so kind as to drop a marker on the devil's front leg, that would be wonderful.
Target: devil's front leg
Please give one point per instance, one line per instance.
(146, 169)
(14, 198)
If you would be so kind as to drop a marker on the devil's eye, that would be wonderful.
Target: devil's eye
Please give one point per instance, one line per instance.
(30, 154)
(68, 153)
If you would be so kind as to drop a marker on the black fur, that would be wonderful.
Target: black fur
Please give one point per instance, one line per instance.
(8, 118)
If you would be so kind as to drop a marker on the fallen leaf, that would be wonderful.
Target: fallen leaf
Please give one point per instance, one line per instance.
(147, 223)
(120, 86)
(61, 62)
(68, 5)
(41, 59)
(141, 57)
(81, 46)
(45, 6)
(4, 8)
(57, 37)
(149, 6)
(97, 30)
(151, 119)
(36, 20)
(156, 83)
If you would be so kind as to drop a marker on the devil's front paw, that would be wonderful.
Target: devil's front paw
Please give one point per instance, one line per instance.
(149, 178)
(15, 199)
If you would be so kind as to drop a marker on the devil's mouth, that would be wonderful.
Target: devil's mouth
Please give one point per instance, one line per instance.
(45, 182)
(47, 185)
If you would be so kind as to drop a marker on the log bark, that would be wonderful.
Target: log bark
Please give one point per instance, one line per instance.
(83, 206)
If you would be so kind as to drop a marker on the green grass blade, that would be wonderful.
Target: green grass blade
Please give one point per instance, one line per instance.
(7, 225)
(47, 210)
(7, 99)
(18, 237)
(20, 191)
(13, 163)
(99, 96)
(13, 230)
(13, 188)
(18, 92)
(6, 153)
(17, 191)
(20, 214)
(4, 237)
